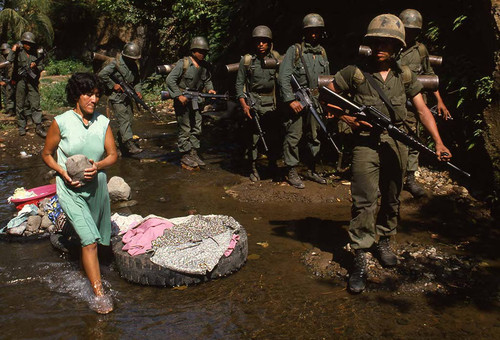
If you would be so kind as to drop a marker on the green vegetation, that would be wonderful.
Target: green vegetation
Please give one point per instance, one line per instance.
(66, 66)
(53, 96)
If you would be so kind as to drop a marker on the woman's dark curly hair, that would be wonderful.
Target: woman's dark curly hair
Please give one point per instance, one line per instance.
(82, 83)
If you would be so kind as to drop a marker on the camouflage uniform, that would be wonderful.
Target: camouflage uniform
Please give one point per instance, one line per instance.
(378, 161)
(120, 102)
(27, 93)
(262, 89)
(188, 120)
(7, 91)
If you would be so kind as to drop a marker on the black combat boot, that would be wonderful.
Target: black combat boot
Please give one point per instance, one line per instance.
(196, 158)
(132, 148)
(254, 174)
(188, 160)
(387, 256)
(357, 279)
(313, 176)
(40, 131)
(294, 179)
(412, 186)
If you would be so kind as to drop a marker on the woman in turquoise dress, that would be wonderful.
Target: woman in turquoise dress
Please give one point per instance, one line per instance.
(86, 203)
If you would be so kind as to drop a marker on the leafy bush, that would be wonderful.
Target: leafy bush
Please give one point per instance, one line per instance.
(66, 66)
(53, 97)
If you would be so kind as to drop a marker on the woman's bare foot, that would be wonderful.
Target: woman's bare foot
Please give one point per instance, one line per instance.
(102, 303)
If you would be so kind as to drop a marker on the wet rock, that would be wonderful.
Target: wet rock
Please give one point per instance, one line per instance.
(46, 222)
(118, 189)
(19, 230)
(49, 175)
(51, 229)
(76, 165)
(124, 204)
(34, 223)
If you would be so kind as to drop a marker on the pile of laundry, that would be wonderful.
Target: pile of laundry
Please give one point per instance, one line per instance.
(192, 244)
(42, 218)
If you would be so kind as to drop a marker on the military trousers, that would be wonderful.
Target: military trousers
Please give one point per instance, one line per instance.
(378, 162)
(27, 102)
(296, 126)
(124, 114)
(270, 124)
(189, 125)
(8, 98)
(414, 124)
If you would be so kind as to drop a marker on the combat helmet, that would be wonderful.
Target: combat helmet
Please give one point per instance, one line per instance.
(386, 26)
(28, 37)
(262, 32)
(313, 20)
(4, 47)
(131, 50)
(411, 18)
(199, 43)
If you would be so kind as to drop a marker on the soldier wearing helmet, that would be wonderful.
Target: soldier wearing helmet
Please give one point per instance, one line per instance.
(23, 57)
(256, 85)
(416, 57)
(193, 73)
(379, 161)
(125, 68)
(306, 61)
(6, 74)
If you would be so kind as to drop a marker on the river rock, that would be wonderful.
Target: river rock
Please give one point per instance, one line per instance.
(118, 189)
(19, 230)
(34, 223)
(76, 165)
(46, 222)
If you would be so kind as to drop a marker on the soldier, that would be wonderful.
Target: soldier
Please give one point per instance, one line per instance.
(416, 57)
(125, 68)
(259, 84)
(191, 72)
(23, 57)
(306, 61)
(379, 161)
(5, 83)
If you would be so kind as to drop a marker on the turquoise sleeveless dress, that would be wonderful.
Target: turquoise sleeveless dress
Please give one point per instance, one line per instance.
(87, 207)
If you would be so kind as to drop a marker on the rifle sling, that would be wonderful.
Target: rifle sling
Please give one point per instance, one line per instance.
(387, 102)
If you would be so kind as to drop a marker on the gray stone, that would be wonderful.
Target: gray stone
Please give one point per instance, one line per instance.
(46, 222)
(118, 189)
(76, 165)
(51, 229)
(19, 230)
(34, 223)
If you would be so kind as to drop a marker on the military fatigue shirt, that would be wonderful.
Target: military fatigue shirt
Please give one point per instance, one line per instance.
(261, 82)
(351, 79)
(194, 78)
(21, 59)
(316, 64)
(123, 73)
(5, 72)
(418, 63)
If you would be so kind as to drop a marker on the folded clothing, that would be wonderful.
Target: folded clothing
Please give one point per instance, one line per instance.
(138, 239)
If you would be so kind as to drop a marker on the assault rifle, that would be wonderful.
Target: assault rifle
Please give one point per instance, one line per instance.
(130, 92)
(30, 72)
(255, 117)
(381, 121)
(194, 97)
(303, 95)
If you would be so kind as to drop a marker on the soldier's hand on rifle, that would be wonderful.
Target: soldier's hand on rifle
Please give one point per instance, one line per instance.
(2, 83)
(212, 92)
(296, 106)
(354, 122)
(139, 95)
(442, 152)
(117, 88)
(245, 107)
(443, 110)
(33, 64)
(14, 47)
(183, 100)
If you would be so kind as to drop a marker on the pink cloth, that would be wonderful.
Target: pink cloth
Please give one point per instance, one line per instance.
(232, 244)
(138, 240)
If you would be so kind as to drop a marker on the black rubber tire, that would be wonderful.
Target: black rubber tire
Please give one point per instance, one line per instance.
(140, 269)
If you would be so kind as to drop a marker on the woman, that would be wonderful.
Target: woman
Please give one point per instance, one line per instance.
(86, 203)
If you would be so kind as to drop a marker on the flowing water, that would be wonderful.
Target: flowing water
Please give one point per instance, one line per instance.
(44, 295)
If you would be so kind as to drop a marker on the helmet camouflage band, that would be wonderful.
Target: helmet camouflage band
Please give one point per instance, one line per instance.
(28, 37)
(386, 26)
(199, 43)
(411, 18)
(262, 32)
(131, 50)
(313, 20)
